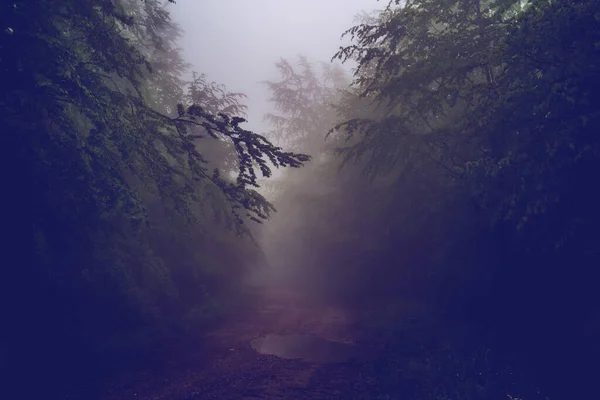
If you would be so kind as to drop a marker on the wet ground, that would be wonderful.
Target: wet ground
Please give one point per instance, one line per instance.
(281, 345)
(309, 348)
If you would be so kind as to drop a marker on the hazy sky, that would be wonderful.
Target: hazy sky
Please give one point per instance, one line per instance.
(237, 42)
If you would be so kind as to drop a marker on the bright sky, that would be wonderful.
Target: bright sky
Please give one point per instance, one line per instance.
(237, 42)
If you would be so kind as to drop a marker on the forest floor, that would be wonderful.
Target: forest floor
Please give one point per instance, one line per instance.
(407, 356)
(223, 364)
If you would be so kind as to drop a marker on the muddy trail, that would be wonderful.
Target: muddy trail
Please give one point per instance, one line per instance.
(320, 354)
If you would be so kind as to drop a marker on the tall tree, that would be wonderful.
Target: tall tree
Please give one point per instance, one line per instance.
(99, 121)
(493, 100)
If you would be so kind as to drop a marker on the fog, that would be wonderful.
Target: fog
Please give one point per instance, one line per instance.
(425, 229)
(237, 42)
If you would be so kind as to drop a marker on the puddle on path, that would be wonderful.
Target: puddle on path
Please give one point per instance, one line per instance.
(306, 347)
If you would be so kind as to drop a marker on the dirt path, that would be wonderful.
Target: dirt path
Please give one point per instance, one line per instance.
(223, 365)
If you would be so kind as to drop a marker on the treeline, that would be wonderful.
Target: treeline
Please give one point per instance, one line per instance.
(129, 188)
(468, 144)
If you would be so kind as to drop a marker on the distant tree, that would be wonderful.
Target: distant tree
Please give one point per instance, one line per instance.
(305, 103)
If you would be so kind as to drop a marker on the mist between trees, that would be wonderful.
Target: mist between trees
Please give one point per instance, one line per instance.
(452, 169)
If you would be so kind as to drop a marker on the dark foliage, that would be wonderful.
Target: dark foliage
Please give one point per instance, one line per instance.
(118, 217)
(482, 120)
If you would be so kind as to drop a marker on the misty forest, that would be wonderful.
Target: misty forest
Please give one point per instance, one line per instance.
(415, 216)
